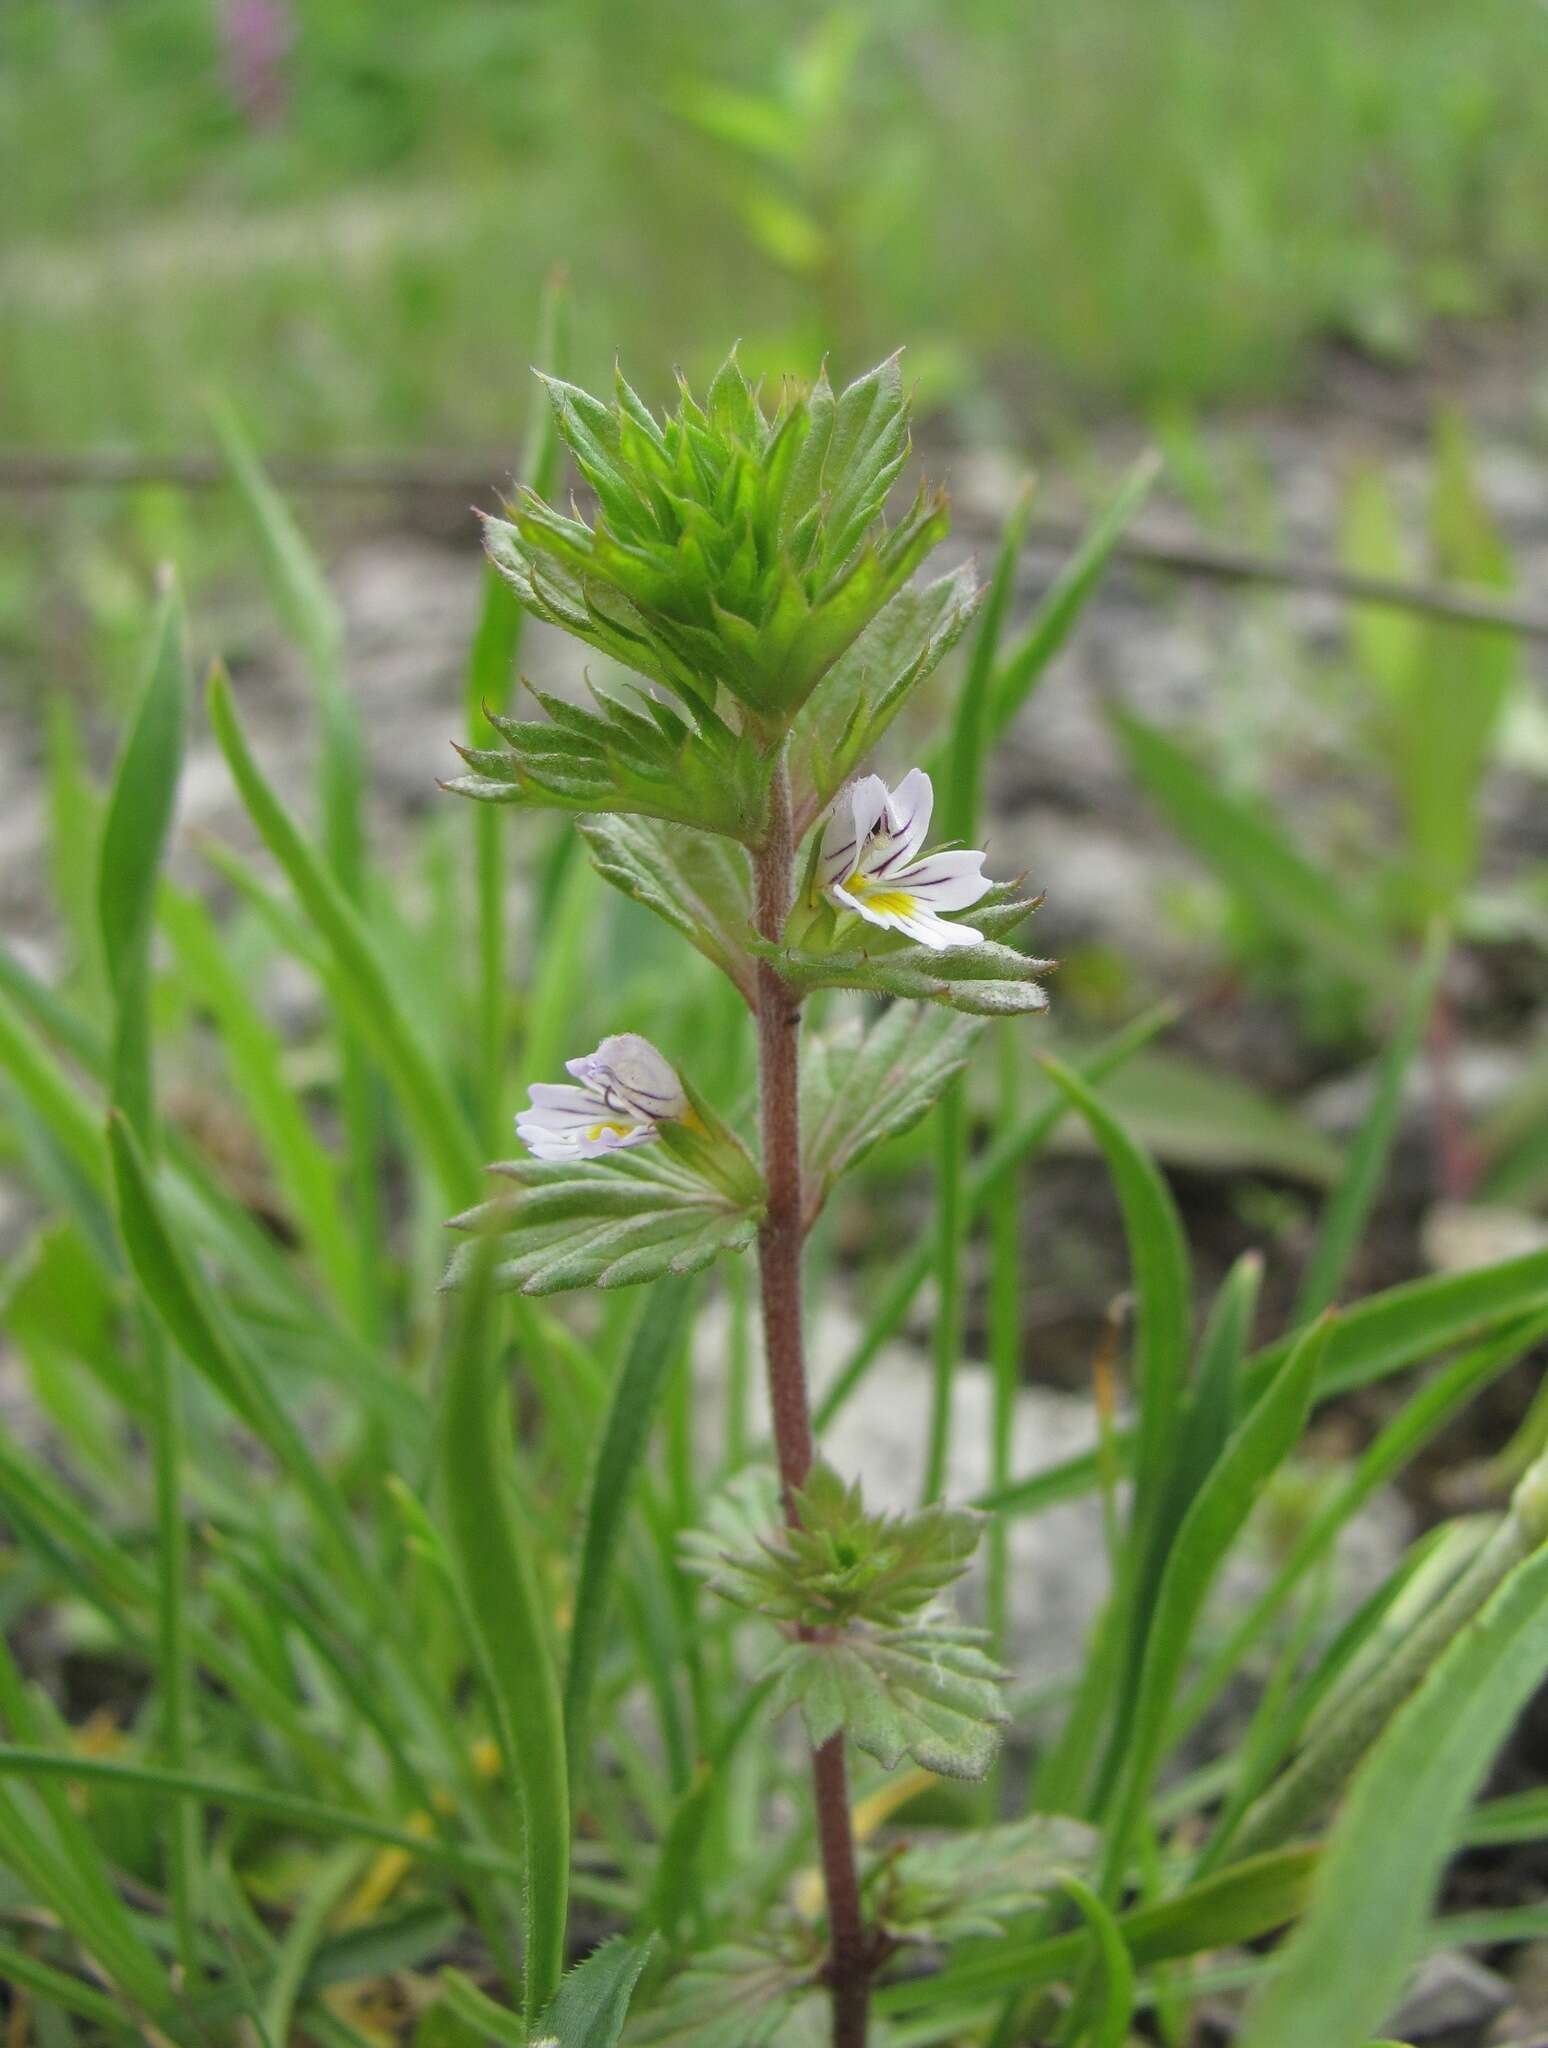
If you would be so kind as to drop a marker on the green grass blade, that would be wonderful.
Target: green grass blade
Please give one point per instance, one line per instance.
(959, 821)
(307, 1927)
(491, 667)
(59, 1104)
(306, 1816)
(1251, 1899)
(437, 1117)
(134, 837)
(1055, 617)
(1374, 1338)
(306, 605)
(1211, 1525)
(1214, 1402)
(296, 584)
(655, 1347)
(1112, 2007)
(74, 830)
(558, 989)
(24, 1972)
(499, 1586)
(1158, 1255)
(1348, 1210)
(302, 1169)
(188, 1312)
(986, 1183)
(1253, 858)
(1345, 1965)
(134, 834)
(1417, 1423)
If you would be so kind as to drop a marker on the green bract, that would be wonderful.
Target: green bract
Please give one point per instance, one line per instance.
(843, 1563)
(734, 556)
(873, 1652)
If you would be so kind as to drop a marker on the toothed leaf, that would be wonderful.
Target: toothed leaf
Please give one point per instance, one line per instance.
(859, 1089)
(613, 1222)
(701, 884)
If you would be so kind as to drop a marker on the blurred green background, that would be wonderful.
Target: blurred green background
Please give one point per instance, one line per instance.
(342, 212)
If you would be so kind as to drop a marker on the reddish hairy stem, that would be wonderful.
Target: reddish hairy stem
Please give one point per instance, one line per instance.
(779, 1270)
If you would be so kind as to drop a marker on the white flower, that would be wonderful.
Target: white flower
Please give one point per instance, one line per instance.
(626, 1089)
(869, 863)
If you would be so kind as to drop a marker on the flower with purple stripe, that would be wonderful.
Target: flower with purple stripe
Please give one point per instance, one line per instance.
(626, 1089)
(870, 863)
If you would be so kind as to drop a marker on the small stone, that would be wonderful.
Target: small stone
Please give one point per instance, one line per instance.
(1458, 1237)
(1451, 2000)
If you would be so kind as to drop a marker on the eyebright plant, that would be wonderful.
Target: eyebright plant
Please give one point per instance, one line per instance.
(738, 562)
(341, 1698)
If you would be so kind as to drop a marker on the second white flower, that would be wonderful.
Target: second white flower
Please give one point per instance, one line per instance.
(870, 863)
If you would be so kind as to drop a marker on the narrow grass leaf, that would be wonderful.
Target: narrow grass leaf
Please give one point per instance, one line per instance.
(134, 834)
(656, 1344)
(1158, 1256)
(1112, 2007)
(1055, 617)
(256, 1055)
(1349, 1208)
(987, 1179)
(1253, 858)
(495, 1570)
(1416, 1423)
(437, 1117)
(1208, 1529)
(1364, 1926)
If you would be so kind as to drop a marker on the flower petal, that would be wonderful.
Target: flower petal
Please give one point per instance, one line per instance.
(555, 1105)
(947, 881)
(935, 932)
(633, 1076)
(909, 810)
(853, 818)
(900, 832)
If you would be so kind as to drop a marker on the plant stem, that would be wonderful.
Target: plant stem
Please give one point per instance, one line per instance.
(779, 1270)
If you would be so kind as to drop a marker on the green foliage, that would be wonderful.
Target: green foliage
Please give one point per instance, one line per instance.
(989, 980)
(629, 754)
(732, 548)
(840, 1563)
(400, 1621)
(497, 1579)
(613, 1223)
(746, 1995)
(873, 1652)
(862, 1087)
(592, 2003)
(871, 682)
(1345, 1966)
(698, 883)
(1253, 856)
(972, 1883)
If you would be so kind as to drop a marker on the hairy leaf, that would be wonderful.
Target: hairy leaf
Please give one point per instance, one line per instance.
(617, 754)
(988, 980)
(951, 1887)
(860, 1088)
(604, 1223)
(697, 881)
(592, 2002)
(928, 1692)
(839, 1563)
(747, 1995)
(869, 685)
